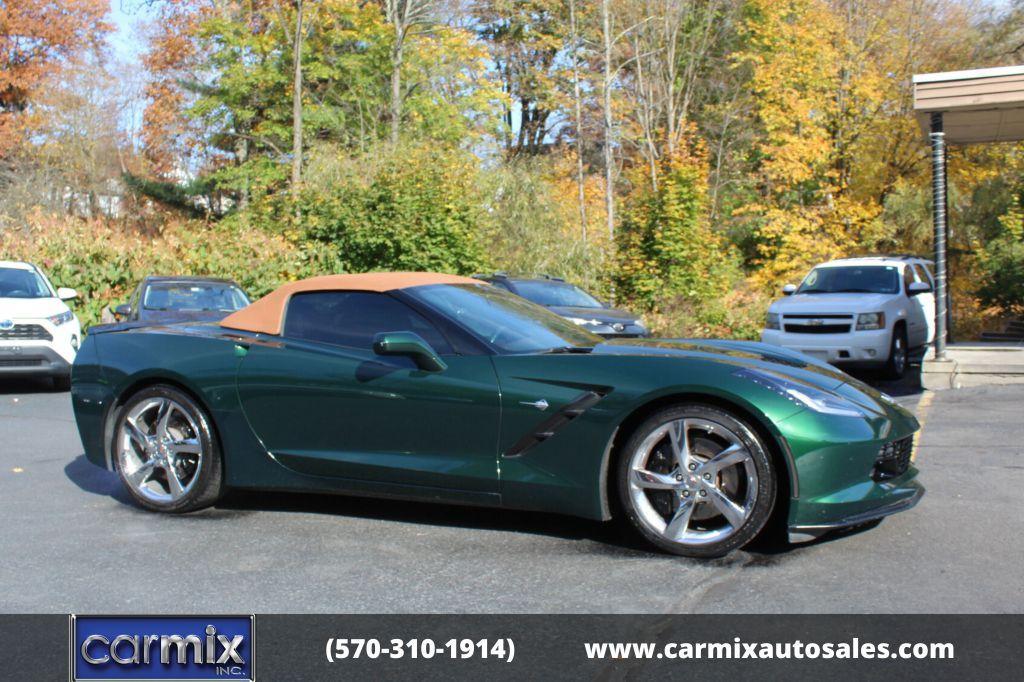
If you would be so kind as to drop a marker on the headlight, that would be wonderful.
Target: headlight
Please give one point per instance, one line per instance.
(771, 321)
(867, 321)
(583, 322)
(58, 320)
(804, 395)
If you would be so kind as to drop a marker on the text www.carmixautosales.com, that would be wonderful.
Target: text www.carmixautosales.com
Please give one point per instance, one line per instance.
(738, 649)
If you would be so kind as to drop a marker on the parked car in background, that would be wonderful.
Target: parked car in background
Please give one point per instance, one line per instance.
(182, 299)
(858, 312)
(39, 334)
(572, 303)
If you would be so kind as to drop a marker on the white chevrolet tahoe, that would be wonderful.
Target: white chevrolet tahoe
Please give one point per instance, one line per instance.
(858, 312)
(39, 335)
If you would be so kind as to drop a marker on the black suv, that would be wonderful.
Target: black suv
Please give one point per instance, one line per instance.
(572, 303)
(182, 299)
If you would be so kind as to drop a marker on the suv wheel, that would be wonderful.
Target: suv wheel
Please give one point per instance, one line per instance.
(896, 366)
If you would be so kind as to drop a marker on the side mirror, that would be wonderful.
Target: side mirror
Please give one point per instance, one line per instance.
(788, 289)
(915, 288)
(606, 304)
(122, 311)
(66, 294)
(411, 346)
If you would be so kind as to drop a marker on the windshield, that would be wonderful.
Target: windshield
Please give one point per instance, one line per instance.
(556, 294)
(863, 279)
(194, 296)
(509, 323)
(21, 283)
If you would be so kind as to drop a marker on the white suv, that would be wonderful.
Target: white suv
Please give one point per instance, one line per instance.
(858, 311)
(39, 335)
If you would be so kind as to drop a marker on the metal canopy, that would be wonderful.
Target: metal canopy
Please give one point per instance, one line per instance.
(980, 105)
(963, 107)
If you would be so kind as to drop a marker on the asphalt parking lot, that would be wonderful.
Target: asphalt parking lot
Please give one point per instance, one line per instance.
(71, 542)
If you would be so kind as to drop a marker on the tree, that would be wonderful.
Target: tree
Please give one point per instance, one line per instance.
(37, 39)
(667, 250)
(577, 100)
(404, 16)
(608, 72)
(526, 39)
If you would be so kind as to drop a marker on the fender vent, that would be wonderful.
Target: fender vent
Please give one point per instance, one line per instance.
(550, 426)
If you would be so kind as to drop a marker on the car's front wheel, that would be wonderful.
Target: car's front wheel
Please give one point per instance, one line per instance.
(896, 366)
(165, 452)
(696, 480)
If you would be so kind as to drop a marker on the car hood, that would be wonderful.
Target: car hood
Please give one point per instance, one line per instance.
(599, 314)
(171, 316)
(750, 354)
(825, 304)
(30, 308)
(755, 355)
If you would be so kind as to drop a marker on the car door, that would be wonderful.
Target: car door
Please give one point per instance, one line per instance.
(323, 403)
(916, 324)
(926, 302)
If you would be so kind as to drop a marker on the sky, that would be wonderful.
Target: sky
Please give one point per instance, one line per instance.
(127, 40)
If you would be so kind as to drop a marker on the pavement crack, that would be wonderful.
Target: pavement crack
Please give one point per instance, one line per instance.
(733, 569)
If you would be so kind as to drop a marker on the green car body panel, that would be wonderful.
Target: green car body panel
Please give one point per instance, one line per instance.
(305, 416)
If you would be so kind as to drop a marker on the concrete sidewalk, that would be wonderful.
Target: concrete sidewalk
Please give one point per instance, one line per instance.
(975, 364)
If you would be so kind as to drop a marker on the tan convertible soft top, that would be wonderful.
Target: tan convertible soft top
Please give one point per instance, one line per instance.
(266, 316)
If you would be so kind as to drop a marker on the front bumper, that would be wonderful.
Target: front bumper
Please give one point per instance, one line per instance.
(903, 498)
(32, 360)
(857, 347)
(37, 347)
(849, 471)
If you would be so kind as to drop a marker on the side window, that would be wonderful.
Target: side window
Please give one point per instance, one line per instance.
(908, 277)
(923, 276)
(353, 318)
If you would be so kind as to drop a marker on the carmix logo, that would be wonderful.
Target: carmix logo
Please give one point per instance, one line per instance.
(162, 648)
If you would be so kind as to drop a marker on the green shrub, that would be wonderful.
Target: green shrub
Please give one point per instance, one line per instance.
(667, 251)
(1002, 272)
(415, 209)
(105, 262)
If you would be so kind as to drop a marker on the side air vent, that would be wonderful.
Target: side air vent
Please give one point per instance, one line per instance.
(550, 426)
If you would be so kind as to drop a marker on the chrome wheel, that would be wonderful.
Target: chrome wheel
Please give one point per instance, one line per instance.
(692, 481)
(159, 449)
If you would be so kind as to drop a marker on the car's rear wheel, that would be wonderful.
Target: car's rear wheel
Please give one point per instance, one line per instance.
(696, 480)
(896, 366)
(165, 452)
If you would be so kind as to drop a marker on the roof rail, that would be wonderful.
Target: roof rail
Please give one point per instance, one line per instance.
(900, 256)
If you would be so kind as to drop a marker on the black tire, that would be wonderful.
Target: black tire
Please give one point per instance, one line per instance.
(209, 484)
(61, 383)
(764, 497)
(896, 364)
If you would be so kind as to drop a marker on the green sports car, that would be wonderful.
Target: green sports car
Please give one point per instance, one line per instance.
(443, 388)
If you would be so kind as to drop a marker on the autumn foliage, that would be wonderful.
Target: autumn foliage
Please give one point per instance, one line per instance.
(684, 158)
(37, 39)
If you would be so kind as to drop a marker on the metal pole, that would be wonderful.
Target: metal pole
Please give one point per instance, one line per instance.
(938, 141)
